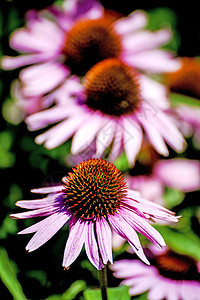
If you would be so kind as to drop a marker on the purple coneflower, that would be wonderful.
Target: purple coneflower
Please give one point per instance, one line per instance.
(93, 198)
(60, 43)
(178, 173)
(113, 106)
(171, 276)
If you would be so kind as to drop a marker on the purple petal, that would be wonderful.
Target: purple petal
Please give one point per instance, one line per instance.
(145, 40)
(75, 242)
(104, 238)
(105, 136)
(9, 63)
(149, 208)
(182, 174)
(126, 231)
(143, 227)
(39, 225)
(38, 38)
(91, 246)
(159, 290)
(128, 268)
(85, 135)
(132, 139)
(46, 211)
(141, 284)
(153, 133)
(48, 189)
(45, 117)
(37, 203)
(42, 78)
(156, 60)
(152, 90)
(117, 143)
(47, 229)
(167, 128)
(135, 21)
(61, 132)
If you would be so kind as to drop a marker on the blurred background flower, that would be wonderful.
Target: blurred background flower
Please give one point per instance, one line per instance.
(170, 276)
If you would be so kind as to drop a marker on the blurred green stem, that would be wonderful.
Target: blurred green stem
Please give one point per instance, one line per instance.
(103, 283)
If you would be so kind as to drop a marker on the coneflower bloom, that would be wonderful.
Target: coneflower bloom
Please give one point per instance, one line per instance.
(170, 276)
(70, 42)
(93, 198)
(113, 106)
(178, 173)
(185, 81)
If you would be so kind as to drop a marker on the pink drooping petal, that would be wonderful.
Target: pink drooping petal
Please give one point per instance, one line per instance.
(143, 227)
(59, 133)
(126, 268)
(159, 290)
(104, 237)
(150, 209)
(132, 139)
(145, 40)
(76, 239)
(9, 63)
(48, 189)
(126, 231)
(154, 92)
(49, 116)
(117, 143)
(91, 246)
(141, 285)
(154, 136)
(85, 134)
(47, 229)
(38, 38)
(95, 11)
(157, 61)
(42, 78)
(105, 136)
(37, 203)
(179, 173)
(135, 21)
(41, 212)
(42, 224)
(69, 89)
(189, 290)
(166, 126)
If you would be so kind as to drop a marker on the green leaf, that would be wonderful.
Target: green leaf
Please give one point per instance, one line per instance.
(8, 227)
(177, 99)
(173, 197)
(15, 193)
(9, 277)
(117, 293)
(7, 158)
(121, 162)
(187, 243)
(75, 288)
(142, 297)
(164, 17)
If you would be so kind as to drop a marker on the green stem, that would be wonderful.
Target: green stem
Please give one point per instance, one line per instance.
(103, 283)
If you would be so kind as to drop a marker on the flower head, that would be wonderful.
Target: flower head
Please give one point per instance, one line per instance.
(170, 276)
(177, 173)
(93, 198)
(111, 107)
(60, 43)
